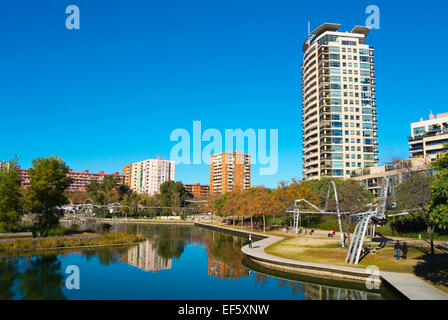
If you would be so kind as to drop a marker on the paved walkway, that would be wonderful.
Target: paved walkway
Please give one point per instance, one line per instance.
(409, 285)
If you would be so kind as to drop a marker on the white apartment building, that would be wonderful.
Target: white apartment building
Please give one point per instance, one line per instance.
(147, 176)
(398, 170)
(338, 103)
(4, 164)
(429, 136)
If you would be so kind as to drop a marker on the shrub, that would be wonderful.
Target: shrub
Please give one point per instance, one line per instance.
(74, 227)
(55, 232)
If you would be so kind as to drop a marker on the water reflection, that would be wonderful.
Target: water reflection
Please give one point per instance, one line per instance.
(167, 243)
(8, 273)
(145, 256)
(183, 256)
(41, 278)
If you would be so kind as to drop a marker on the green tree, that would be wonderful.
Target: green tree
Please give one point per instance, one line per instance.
(47, 191)
(352, 197)
(123, 190)
(10, 198)
(93, 189)
(110, 188)
(438, 203)
(133, 201)
(107, 191)
(172, 194)
(220, 202)
(415, 193)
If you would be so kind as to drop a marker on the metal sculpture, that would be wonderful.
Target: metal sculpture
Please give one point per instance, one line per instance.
(378, 217)
(372, 217)
(296, 210)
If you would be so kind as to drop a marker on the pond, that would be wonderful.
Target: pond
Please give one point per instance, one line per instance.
(174, 262)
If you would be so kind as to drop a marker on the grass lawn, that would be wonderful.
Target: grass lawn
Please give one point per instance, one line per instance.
(86, 240)
(320, 249)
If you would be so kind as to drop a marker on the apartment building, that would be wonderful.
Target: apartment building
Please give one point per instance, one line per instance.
(4, 164)
(198, 190)
(338, 105)
(146, 176)
(429, 136)
(80, 180)
(229, 171)
(372, 178)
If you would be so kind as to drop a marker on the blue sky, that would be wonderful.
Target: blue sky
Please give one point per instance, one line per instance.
(112, 92)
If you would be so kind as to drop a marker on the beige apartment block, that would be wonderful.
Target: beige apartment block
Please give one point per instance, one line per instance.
(146, 176)
(429, 136)
(229, 171)
(372, 178)
(338, 104)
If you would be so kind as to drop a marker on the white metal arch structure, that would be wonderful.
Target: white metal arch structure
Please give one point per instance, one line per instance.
(195, 202)
(296, 210)
(378, 217)
(332, 184)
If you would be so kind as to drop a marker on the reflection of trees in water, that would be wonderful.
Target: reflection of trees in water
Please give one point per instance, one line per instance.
(42, 278)
(320, 292)
(301, 285)
(296, 287)
(225, 256)
(8, 273)
(105, 255)
(224, 251)
(260, 279)
(171, 243)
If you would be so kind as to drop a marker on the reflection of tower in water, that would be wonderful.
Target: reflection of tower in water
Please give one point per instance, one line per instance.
(319, 292)
(227, 265)
(145, 257)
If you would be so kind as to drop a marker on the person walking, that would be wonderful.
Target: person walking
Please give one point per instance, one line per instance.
(397, 247)
(250, 240)
(404, 248)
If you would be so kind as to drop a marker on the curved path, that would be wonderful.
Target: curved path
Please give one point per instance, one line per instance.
(407, 284)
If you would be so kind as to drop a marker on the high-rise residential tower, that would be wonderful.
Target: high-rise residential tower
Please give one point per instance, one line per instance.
(147, 176)
(338, 103)
(229, 171)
